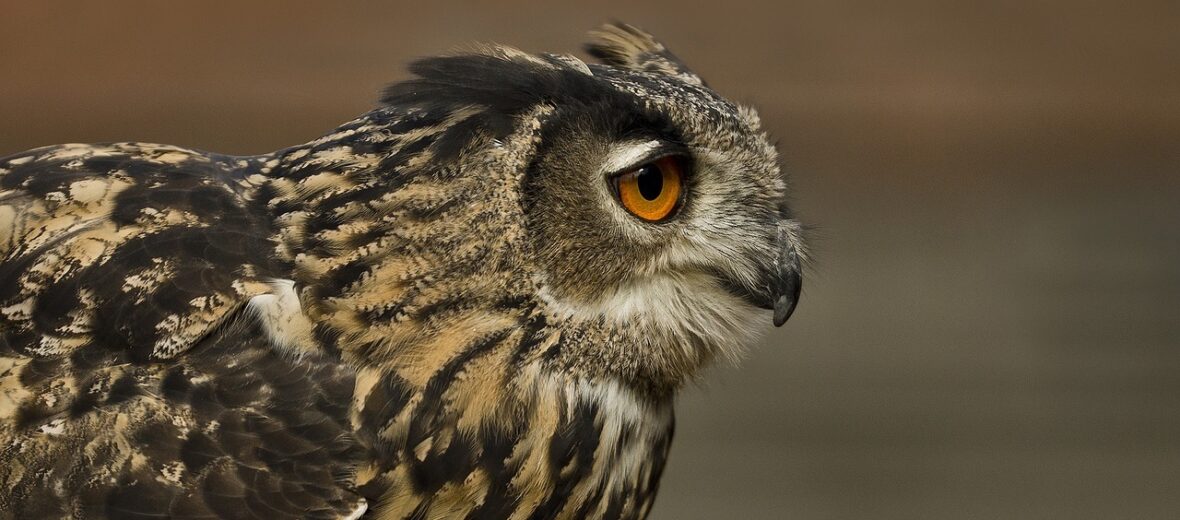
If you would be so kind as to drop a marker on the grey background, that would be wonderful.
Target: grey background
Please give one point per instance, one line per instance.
(991, 329)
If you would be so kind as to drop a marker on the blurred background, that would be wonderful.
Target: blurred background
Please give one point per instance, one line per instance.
(992, 327)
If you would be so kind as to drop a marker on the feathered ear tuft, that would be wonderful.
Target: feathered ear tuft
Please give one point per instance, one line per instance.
(629, 47)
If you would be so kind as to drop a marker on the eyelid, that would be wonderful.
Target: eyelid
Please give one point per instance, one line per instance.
(637, 155)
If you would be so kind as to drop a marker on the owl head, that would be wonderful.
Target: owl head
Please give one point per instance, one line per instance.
(645, 214)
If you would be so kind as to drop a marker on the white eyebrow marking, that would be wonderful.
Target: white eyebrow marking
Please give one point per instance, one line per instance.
(625, 155)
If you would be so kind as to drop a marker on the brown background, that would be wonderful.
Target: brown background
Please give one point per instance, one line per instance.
(992, 329)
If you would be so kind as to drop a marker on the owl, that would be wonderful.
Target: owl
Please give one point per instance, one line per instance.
(478, 300)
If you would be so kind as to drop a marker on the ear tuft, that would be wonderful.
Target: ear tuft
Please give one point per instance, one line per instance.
(629, 47)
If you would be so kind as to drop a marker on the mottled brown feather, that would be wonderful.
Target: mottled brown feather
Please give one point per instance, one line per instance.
(426, 313)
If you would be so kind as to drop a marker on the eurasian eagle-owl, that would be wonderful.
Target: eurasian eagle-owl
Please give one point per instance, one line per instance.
(475, 301)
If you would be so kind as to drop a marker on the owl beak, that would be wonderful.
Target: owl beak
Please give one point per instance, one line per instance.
(786, 286)
(781, 282)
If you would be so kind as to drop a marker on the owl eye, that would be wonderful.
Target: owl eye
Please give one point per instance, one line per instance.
(652, 191)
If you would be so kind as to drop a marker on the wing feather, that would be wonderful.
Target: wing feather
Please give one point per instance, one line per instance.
(130, 247)
(133, 384)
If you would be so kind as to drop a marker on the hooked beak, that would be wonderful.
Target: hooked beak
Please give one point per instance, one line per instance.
(780, 284)
(786, 286)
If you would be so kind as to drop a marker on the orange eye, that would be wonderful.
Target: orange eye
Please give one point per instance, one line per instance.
(652, 191)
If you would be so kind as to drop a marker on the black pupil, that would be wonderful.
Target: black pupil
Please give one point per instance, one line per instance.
(651, 182)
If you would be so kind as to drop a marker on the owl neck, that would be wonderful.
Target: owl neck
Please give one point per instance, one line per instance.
(381, 239)
(532, 443)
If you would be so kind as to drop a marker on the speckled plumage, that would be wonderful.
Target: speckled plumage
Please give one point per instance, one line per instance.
(436, 311)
